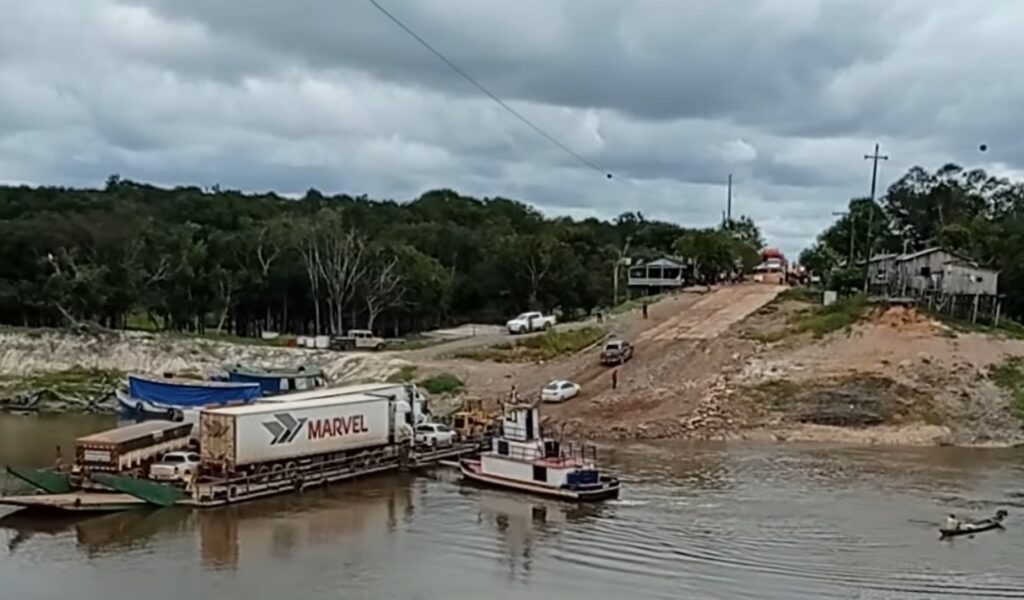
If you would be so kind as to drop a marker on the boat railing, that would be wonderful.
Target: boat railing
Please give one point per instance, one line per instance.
(554, 453)
(578, 452)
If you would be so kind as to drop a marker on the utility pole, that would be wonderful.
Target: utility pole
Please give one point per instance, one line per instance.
(620, 260)
(728, 202)
(874, 158)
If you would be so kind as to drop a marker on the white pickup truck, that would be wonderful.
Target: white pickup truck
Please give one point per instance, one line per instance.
(530, 321)
(175, 466)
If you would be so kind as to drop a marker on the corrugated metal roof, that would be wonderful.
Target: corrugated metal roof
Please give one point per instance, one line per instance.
(129, 432)
(879, 257)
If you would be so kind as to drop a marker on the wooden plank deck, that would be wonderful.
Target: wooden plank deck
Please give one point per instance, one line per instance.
(75, 501)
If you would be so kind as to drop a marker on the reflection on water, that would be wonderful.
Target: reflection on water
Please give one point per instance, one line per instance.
(695, 521)
(523, 522)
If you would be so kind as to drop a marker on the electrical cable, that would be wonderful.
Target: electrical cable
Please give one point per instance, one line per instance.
(582, 159)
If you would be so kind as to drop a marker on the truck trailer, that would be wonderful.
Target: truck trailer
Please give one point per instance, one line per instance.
(296, 430)
(126, 448)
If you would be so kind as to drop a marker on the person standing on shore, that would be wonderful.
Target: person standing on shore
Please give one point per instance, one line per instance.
(645, 309)
(615, 378)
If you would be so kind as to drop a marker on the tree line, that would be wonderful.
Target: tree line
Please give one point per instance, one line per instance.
(964, 210)
(192, 259)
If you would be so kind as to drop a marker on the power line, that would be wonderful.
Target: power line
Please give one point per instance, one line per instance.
(491, 95)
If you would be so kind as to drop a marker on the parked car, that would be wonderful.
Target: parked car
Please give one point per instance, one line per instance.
(435, 435)
(530, 321)
(175, 466)
(559, 391)
(358, 339)
(616, 352)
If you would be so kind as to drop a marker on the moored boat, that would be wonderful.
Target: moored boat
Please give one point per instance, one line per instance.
(278, 381)
(522, 459)
(173, 397)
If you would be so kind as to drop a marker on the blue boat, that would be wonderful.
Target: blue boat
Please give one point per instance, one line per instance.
(171, 398)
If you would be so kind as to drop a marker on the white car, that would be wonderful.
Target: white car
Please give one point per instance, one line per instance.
(435, 435)
(175, 466)
(529, 322)
(559, 391)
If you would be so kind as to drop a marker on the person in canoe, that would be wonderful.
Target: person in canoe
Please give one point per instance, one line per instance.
(955, 527)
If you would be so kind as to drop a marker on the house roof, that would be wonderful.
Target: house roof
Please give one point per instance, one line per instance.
(933, 250)
(662, 262)
(881, 257)
(920, 253)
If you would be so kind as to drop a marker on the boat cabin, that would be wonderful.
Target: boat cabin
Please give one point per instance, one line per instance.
(521, 453)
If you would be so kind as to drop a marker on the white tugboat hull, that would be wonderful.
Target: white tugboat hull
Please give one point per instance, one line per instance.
(606, 489)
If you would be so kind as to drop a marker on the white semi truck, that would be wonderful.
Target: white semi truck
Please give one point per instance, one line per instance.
(289, 431)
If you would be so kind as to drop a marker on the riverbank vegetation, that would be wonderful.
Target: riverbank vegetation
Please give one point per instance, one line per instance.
(817, 320)
(1010, 376)
(966, 211)
(77, 390)
(133, 255)
(549, 346)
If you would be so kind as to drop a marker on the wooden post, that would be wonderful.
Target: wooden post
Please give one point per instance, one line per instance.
(999, 305)
(974, 316)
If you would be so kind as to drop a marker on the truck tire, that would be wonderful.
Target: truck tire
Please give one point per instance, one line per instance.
(547, 326)
(276, 472)
(379, 347)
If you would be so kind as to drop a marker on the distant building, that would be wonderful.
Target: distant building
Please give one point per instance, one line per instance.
(931, 271)
(659, 275)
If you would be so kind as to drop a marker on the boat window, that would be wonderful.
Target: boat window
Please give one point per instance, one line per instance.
(503, 447)
(540, 473)
(283, 385)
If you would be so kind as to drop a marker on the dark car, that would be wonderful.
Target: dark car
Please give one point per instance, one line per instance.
(616, 352)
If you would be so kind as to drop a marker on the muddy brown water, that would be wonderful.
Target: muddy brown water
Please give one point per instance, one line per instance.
(695, 521)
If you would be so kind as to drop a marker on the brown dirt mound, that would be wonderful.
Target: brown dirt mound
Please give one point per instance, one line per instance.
(904, 318)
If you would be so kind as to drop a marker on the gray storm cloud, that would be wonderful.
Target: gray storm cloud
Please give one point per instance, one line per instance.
(671, 96)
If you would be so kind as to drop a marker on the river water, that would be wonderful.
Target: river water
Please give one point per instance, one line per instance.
(695, 521)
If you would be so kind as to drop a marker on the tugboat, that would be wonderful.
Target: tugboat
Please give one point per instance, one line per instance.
(522, 459)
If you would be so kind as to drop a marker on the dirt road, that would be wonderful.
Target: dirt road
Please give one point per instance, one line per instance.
(674, 356)
(713, 314)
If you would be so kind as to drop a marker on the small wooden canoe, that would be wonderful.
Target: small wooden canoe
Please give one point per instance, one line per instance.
(972, 528)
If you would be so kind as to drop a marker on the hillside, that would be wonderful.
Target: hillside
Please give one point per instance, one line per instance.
(736, 363)
(893, 376)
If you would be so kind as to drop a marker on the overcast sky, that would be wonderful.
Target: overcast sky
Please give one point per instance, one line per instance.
(669, 95)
